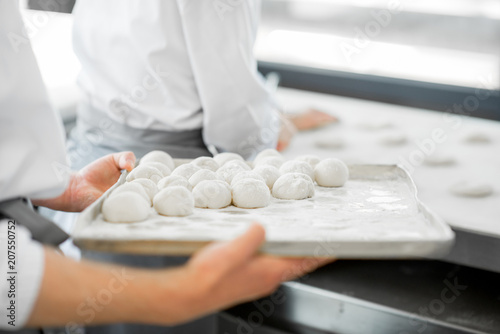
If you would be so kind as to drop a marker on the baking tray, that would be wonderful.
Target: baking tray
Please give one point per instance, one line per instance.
(375, 215)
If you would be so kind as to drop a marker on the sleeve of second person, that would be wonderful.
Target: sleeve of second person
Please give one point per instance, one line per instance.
(239, 113)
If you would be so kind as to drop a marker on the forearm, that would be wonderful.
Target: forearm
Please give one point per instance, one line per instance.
(88, 293)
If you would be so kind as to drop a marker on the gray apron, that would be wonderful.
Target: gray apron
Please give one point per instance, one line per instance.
(96, 135)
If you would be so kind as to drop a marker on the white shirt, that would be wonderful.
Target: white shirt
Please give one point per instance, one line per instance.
(32, 155)
(177, 65)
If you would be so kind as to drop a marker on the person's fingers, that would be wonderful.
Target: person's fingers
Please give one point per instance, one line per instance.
(222, 257)
(124, 160)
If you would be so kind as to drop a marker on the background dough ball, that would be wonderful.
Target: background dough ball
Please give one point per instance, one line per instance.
(144, 172)
(164, 170)
(202, 175)
(437, 160)
(125, 207)
(394, 139)
(212, 194)
(159, 156)
(149, 186)
(246, 175)
(230, 169)
(132, 187)
(294, 186)
(206, 163)
(222, 158)
(174, 201)
(471, 189)
(331, 173)
(270, 152)
(477, 138)
(270, 161)
(296, 166)
(174, 180)
(186, 170)
(311, 159)
(332, 143)
(269, 173)
(250, 194)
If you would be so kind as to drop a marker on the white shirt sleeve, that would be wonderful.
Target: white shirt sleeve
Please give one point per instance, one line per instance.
(239, 114)
(32, 148)
(21, 272)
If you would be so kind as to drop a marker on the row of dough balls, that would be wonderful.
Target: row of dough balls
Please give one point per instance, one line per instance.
(216, 183)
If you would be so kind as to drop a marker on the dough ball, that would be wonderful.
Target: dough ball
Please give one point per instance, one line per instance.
(125, 207)
(311, 159)
(202, 175)
(186, 170)
(331, 173)
(161, 157)
(332, 143)
(132, 187)
(206, 163)
(270, 161)
(222, 158)
(270, 152)
(174, 180)
(212, 194)
(144, 172)
(477, 138)
(375, 125)
(174, 201)
(251, 193)
(164, 170)
(246, 175)
(295, 166)
(294, 186)
(269, 173)
(394, 139)
(471, 189)
(437, 160)
(149, 186)
(230, 169)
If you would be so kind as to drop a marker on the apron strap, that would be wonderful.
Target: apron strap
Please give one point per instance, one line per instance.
(42, 229)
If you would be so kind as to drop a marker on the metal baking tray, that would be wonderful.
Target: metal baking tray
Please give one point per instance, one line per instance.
(375, 215)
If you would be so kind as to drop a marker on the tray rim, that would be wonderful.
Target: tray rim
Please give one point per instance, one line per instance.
(429, 248)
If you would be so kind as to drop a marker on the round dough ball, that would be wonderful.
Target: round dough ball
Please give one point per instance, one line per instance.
(295, 166)
(231, 168)
(394, 139)
(478, 138)
(163, 169)
(333, 143)
(222, 158)
(471, 189)
(174, 180)
(311, 159)
(144, 172)
(149, 186)
(202, 175)
(246, 175)
(270, 161)
(186, 170)
(251, 193)
(174, 201)
(132, 187)
(331, 173)
(437, 160)
(212, 194)
(294, 186)
(270, 152)
(206, 163)
(269, 173)
(125, 207)
(161, 157)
